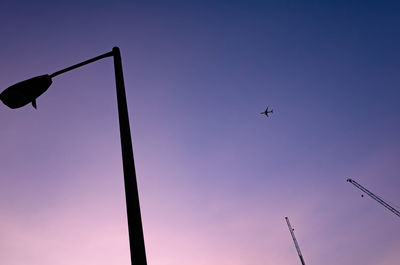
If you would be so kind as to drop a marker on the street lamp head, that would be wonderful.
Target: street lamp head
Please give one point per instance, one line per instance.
(25, 92)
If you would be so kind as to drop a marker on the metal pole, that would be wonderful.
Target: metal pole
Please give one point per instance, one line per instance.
(295, 241)
(375, 197)
(136, 238)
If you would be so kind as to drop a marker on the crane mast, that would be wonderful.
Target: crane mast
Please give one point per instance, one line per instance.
(295, 241)
(376, 198)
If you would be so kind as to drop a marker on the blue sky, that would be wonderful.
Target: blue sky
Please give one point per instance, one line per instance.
(216, 178)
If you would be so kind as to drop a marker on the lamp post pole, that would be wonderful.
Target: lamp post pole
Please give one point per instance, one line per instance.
(27, 91)
(138, 253)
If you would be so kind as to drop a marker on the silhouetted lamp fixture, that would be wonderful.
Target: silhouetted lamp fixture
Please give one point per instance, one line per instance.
(25, 92)
(28, 91)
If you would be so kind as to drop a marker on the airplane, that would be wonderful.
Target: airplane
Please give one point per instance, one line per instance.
(266, 112)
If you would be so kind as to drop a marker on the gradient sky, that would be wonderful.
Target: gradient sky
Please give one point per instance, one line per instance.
(215, 177)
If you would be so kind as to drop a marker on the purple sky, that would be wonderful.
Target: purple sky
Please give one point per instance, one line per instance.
(215, 177)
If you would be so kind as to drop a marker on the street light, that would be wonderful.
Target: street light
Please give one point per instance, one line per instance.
(27, 91)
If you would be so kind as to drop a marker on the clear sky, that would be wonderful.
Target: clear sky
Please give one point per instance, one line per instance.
(215, 177)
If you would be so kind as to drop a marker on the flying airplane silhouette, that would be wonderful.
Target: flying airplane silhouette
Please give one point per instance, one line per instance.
(266, 112)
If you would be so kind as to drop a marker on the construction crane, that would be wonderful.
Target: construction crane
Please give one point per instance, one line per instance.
(295, 241)
(376, 198)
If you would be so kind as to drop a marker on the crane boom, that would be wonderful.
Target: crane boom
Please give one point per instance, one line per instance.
(295, 241)
(376, 198)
